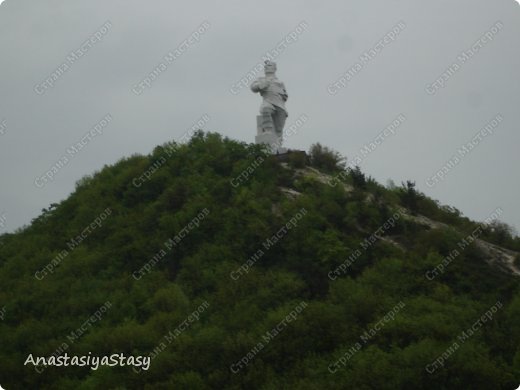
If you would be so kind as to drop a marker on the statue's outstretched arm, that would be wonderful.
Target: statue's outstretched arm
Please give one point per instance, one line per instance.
(259, 84)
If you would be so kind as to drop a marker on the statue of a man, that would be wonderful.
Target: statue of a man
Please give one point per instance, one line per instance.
(273, 112)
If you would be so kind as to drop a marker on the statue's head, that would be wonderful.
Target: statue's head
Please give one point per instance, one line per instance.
(269, 67)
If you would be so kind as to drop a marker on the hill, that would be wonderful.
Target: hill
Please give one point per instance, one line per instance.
(231, 269)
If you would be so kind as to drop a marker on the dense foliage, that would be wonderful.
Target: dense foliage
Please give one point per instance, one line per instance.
(250, 198)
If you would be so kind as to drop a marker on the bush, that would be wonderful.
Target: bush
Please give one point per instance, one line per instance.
(297, 160)
(324, 158)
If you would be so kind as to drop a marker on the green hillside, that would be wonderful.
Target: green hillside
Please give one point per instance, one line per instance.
(231, 269)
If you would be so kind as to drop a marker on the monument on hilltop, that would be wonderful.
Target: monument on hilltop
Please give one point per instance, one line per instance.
(273, 114)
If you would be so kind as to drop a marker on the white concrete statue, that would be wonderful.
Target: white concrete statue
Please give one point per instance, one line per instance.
(273, 113)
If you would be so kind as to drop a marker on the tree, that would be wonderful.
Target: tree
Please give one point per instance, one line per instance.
(410, 197)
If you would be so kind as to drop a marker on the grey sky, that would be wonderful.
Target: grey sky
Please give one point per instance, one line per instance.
(37, 36)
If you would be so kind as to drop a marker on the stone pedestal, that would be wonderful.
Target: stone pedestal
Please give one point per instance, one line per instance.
(268, 137)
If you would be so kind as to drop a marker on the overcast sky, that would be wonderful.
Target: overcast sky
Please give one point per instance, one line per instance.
(128, 40)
